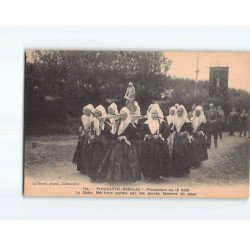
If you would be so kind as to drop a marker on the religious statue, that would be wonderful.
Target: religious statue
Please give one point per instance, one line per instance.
(130, 97)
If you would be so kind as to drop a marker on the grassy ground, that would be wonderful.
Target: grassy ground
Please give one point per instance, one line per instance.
(51, 158)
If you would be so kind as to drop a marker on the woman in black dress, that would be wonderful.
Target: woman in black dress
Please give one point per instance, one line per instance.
(80, 156)
(199, 144)
(154, 156)
(243, 122)
(233, 121)
(139, 122)
(179, 143)
(100, 138)
(121, 160)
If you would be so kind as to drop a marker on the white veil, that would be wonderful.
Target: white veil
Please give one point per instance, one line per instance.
(123, 124)
(170, 118)
(198, 120)
(99, 124)
(179, 121)
(114, 107)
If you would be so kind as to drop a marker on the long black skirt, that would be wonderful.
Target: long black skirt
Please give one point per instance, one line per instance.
(120, 163)
(233, 127)
(198, 150)
(80, 155)
(181, 155)
(155, 161)
(96, 152)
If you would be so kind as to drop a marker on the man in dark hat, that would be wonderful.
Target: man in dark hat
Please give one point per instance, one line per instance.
(243, 123)
(212, 125)
(221, 118)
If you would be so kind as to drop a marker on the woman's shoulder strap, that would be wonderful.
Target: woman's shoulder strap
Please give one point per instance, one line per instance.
(133, 124)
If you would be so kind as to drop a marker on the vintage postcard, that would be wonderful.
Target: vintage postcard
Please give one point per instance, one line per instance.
(136, 124)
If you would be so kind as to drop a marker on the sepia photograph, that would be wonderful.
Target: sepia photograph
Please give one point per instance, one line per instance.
(125, 115)
(136, 124)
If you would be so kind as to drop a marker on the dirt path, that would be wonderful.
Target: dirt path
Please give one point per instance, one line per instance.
(51, 158)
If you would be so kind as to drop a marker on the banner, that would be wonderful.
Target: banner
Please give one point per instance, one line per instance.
(218, 80)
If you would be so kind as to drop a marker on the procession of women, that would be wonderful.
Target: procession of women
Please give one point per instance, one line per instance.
(126, 146)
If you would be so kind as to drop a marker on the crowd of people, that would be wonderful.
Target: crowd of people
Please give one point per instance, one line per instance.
(127, 146)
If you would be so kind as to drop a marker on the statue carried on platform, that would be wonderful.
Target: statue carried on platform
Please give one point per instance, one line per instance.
(130, 97)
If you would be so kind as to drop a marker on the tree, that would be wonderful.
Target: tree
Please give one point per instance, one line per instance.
(81, 77)
(75, 78)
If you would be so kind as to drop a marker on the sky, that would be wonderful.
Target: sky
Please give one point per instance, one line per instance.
(184, 65)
